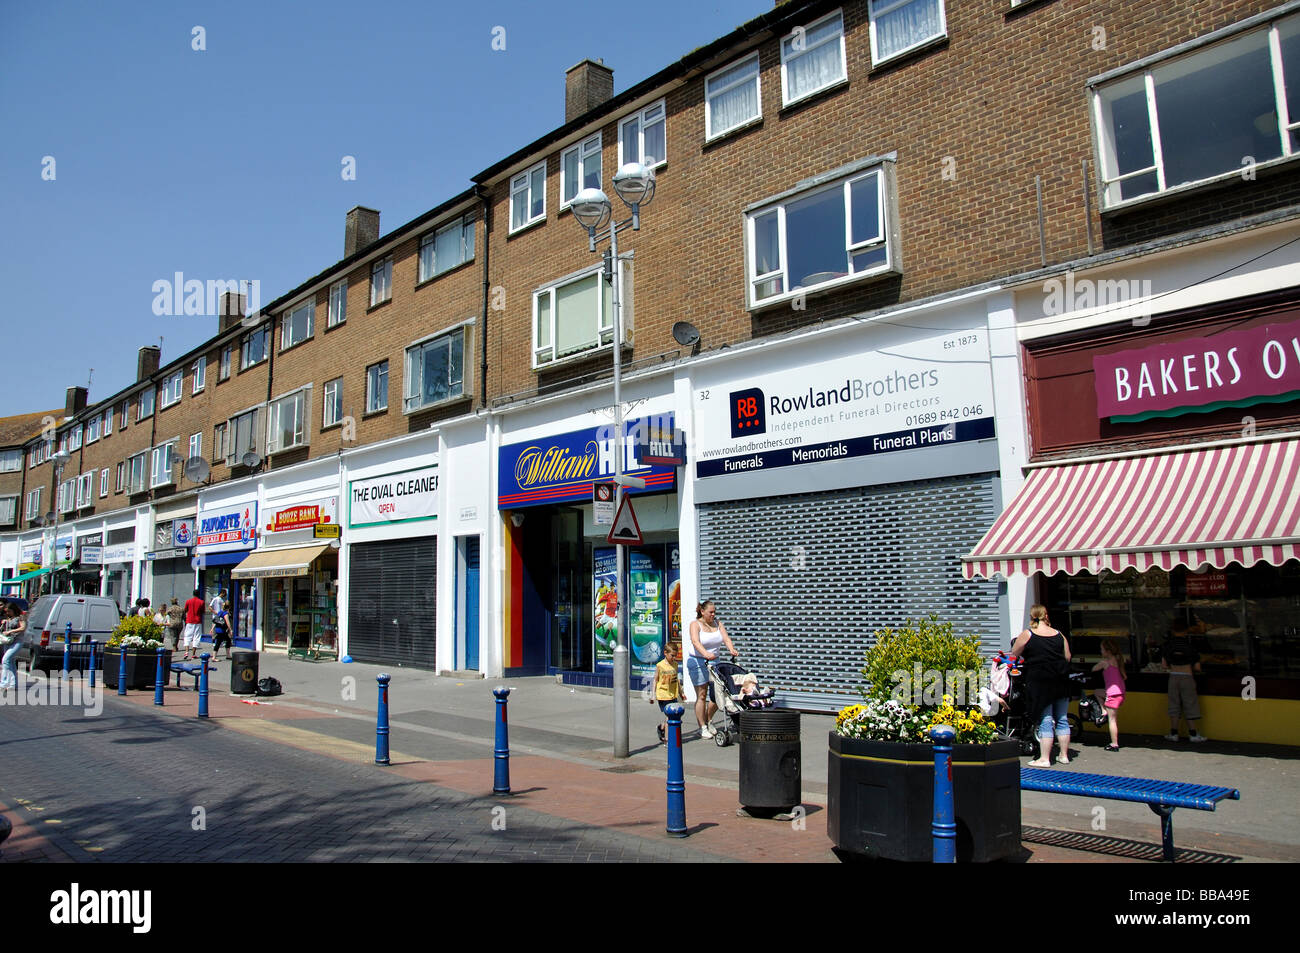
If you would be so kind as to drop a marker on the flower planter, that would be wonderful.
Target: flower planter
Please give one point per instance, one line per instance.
(881, 799)
(140, 668)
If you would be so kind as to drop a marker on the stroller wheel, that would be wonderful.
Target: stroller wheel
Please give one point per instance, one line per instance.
(722, 738)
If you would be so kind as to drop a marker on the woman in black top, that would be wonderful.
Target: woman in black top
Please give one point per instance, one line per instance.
(1047, 685)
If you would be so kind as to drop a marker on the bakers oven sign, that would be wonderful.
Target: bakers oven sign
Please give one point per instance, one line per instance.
(305, 516)
(397, 497)
(233, 529)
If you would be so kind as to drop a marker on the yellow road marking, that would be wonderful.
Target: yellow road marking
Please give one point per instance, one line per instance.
(310, 740)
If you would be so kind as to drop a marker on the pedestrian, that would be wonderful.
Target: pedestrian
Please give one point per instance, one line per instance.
(1112, 696)
(11, 642)
(218, 602)
(1047, 684)
(1181, 660)
(193, 632)
(668, 687)
(175, 616)
(708, 635)
(142, 609)
(220, 634)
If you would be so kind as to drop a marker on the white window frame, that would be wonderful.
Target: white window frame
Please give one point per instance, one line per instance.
(640, 119)
(103, 483)
(200, 371)
(886, 237)
(788, 57)
(543, 355)
(522, 184)
(1109, 179)
(92, 428)
(290, 333)
(371, 406)
(74, 438)
(584, 150)
(138, 482)
(108, 421)
(86, 490)
(11, 461)
(338, 306)
(332, 402)
(263, 331)
(126, 413)
(300, 401)
(33, 506)
(429, 265)
(12, 501)
(414, 382)
(67, 500)
(220, 441)
(162, 464)
(256, 434)
(223, 367)
(881, 7)
(147, 399)
(710, 132)
(381, 291)
(121, 478)
(196, 446)
(170, 391)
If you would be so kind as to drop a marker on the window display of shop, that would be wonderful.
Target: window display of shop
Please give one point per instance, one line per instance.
(225, 535)
(302, 615)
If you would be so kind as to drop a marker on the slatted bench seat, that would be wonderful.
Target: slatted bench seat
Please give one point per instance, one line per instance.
(188, 668)
(1161, 796)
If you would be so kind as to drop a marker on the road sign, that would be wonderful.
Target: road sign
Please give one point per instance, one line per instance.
(626, 531)
(602, 500)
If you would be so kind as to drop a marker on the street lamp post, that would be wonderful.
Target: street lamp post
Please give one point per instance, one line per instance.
(60, 459)
(634, 183)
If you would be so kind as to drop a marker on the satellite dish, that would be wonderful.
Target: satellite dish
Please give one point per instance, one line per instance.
(251, 460)
(685, 334)
(196, 469)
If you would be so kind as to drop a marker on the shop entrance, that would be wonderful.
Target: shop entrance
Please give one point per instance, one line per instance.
(467, 602)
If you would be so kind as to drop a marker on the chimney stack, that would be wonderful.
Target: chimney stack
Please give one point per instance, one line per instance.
(230, 310)
(147, 364)
(76, 401)
(586, 86)
(362, 230)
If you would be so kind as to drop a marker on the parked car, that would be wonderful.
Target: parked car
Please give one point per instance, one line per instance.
(93, 618)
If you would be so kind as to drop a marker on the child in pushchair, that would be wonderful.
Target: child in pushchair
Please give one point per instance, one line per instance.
(736, 690)
(1005, 701)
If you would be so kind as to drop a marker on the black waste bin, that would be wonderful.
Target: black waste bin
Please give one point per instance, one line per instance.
(243, 673)
(770, 773)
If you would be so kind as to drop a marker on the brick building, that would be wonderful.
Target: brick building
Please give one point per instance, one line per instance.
(890, 237)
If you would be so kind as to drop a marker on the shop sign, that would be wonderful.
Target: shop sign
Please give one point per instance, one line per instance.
(32, 555)
(563, 468)
(664, 445)
(167, 554)
(183, 532)
(932, 392)
(1200, 374)
(121, 553)
(395, 498)
(602, 503)
(63, 550)
(304, 516)
(324, 531)
(94, 539)
(1206, 584)
(163, 536)
(92, 555)
(228, 527)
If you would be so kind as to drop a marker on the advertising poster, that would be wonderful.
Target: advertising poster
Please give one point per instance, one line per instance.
(674, 582)
(605, 626)
(646, 596)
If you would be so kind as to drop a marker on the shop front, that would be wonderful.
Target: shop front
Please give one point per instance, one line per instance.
(225, 535)
(171, 560)
(119, 567)
(1179, 507)
(561, 603)
(88, 565)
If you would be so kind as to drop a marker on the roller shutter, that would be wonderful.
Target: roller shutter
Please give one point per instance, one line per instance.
(803, 581)
(392, 602)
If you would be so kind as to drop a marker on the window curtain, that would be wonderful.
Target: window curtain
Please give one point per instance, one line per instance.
(818, 65)
(906, 26)
(577, 309)
(738, 104)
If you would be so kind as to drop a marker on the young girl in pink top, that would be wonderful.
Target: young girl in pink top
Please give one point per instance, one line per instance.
(1112, 696)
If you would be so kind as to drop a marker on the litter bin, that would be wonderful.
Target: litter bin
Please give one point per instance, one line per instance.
(243, 673)
(770, 774)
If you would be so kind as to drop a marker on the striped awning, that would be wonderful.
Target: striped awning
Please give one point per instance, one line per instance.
(1192, 508)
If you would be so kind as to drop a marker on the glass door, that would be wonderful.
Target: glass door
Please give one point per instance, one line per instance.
(570, 634)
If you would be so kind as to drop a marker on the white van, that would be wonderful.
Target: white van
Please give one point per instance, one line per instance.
(93, 618)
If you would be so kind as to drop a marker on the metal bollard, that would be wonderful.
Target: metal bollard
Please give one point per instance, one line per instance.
(501, 751)
(93, 643)
(381, 727)
(944, 828)
(121, 670)
(158, 678)
(676, 826)
(67, 649)
(203, 686)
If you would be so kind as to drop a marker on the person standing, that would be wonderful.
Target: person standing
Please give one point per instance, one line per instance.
(1047, 669)
(1182, 662)
(668, 687)
(11, 642)
(1112, 696)
(193, 632)
(175, 616)
(708, 635)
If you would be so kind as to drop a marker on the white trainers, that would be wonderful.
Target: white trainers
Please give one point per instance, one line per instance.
(706, 731)
(1194, 739)
(1171, 737)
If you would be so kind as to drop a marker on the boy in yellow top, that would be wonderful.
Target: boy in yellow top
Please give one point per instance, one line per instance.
(668, 687)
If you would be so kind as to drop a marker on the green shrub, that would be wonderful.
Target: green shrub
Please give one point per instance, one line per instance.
(928, 642)
(137, 627)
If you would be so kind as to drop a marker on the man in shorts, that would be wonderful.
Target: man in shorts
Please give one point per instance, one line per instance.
(193, 631)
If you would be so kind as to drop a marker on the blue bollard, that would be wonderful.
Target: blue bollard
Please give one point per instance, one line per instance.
(381, 727)
(158, 678)
(67, 649)
(92, 663)
(944, 828)
(121, 670)
(676, 826)
(501, 752)
(203, 686)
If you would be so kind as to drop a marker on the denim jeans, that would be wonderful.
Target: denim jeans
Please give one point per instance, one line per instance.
(9, 678)
(1054, 715)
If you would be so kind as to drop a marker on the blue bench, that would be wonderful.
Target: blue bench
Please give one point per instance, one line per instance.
(1161, 796)
(188, 668)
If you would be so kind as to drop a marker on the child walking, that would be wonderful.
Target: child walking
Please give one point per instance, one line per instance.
(1112, 696)
(668, 687)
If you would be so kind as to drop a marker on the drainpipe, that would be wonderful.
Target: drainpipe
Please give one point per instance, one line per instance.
(483, 325)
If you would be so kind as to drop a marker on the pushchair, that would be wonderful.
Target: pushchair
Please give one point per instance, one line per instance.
(1015, 721)
(726, 678)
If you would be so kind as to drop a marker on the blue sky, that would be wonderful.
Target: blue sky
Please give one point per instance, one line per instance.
(226, 163)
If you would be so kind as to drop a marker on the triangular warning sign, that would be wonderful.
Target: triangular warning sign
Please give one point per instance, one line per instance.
(626, 531)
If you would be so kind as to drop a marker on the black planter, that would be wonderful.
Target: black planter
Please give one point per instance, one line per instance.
(880, 799)
(141, 668)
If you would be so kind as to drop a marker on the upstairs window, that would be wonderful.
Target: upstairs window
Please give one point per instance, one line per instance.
(812, 58)
(196, 446)
(200, 371)
(126, 413)
(732, 97)
(296, 326)
(333, 412)
(8, 510)
(243, 436)
(86, 490)
(74, 438)
(377, 387)
(33, 507)
(381, 281)
(528, 197)
(11, 461)
(223, 370)
(67, 496)
(901, 25)
(435, 370)
(577, 314)
(108, 421)
(254, 347)
(92, 429)
(162, 467)
(338, 303)
(145, 409)
(288, 422)
(448, 247)
(643, 137)
(579, 169)
(137, 472)
(170, 392)
(103, 482)
(1202, 116)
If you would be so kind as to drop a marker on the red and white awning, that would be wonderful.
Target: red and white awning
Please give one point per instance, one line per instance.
(1220, 505)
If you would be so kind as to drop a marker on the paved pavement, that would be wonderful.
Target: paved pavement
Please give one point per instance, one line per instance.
(272, 776)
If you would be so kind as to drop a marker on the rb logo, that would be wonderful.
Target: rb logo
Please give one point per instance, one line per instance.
(748, 416)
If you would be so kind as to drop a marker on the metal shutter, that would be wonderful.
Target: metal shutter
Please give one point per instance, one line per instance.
(392, 602)
(803, 581)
